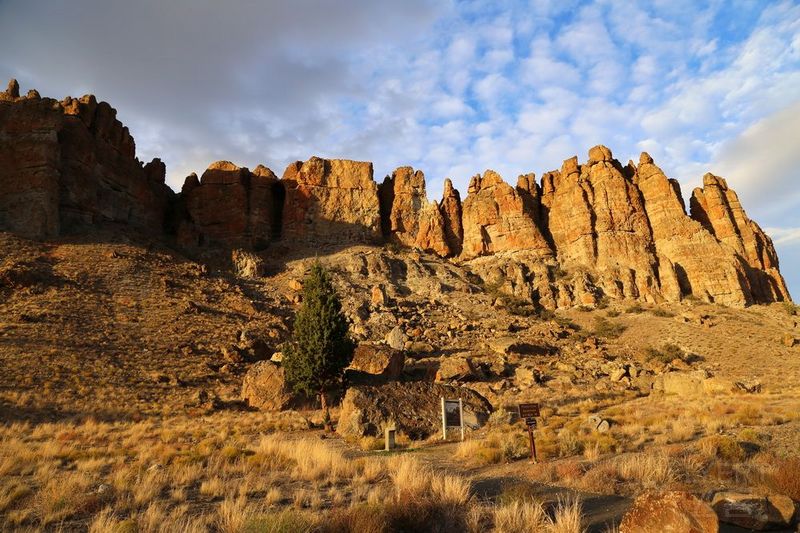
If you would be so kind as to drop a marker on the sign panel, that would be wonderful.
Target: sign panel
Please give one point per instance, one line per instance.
(528, 410)
(452, 413)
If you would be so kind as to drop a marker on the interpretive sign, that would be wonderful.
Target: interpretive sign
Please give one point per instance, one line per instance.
(452, 416)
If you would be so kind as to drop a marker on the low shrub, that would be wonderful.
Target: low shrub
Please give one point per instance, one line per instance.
(606, 328)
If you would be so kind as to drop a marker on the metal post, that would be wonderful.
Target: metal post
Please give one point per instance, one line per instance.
(533, 445)
(461, 416)
(444, 422)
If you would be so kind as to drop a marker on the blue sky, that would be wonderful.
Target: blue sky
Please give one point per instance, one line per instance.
(452, 88)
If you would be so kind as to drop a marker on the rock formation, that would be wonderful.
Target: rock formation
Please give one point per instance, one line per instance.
(66, 166)
(331, 202)
(495, 218)
(583, 233)
(407, 216)
(597, 221)
(718, 209)
(230, 206)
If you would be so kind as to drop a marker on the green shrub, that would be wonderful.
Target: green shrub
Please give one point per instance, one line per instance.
(606, 328)
(635, 309)
(321, 347)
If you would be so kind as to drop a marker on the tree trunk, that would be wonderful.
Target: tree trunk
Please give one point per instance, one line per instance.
(326, 413)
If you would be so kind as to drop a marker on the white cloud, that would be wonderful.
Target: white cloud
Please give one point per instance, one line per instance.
(784, 235)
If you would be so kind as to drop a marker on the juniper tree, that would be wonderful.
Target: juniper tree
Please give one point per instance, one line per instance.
(321, 347)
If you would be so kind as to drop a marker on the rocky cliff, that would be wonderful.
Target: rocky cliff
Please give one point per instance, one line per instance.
(67, 166)
(581, 234)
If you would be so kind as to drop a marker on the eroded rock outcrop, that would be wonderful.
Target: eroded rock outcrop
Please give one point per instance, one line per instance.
(330, 201)
(718, 209)
(66, 166)
(597, 220)
(496, 218)
(230, 206)
(584, 233)
(407, 216)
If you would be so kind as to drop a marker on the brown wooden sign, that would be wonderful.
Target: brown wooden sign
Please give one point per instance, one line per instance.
(528, 410)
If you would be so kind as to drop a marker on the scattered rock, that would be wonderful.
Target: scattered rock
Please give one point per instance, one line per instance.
(247, 264)
(675, 511)
(396, 338)
(231, 354)
(790, 341)
(753, 511)
(378, 296)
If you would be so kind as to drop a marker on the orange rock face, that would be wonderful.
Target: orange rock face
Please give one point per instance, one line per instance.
(495, 219)
(585, 232)
(330, 202)
(718, 209)
(597, 220)
(451, 216)
(407, 216)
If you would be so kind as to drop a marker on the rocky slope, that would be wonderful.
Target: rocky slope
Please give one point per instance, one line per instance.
(582, 234)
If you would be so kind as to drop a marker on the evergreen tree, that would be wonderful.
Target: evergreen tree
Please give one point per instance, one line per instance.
(321, 347)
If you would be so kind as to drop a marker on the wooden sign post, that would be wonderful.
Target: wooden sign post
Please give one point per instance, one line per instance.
(452, 416)
(529, 412)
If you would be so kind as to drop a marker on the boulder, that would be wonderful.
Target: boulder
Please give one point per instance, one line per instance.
(396, 338)
(752, 511)
(455, 369)
(675, 511)
(264, 387)
(414, 408)
(375, 362)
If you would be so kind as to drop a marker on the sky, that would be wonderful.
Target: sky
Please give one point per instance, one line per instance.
(450, 87)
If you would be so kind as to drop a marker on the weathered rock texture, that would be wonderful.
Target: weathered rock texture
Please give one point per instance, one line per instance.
(69, 165)
(230, 206)
(583, 233)
(496, 218)
(407, 216)
(331, 202)
(677, 512)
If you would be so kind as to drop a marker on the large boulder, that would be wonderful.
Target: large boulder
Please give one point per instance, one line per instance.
(264, 387)
(751, 511)
(692, 383)
(413, 408)
(673, 512)
(455, 369)
(375, 362)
